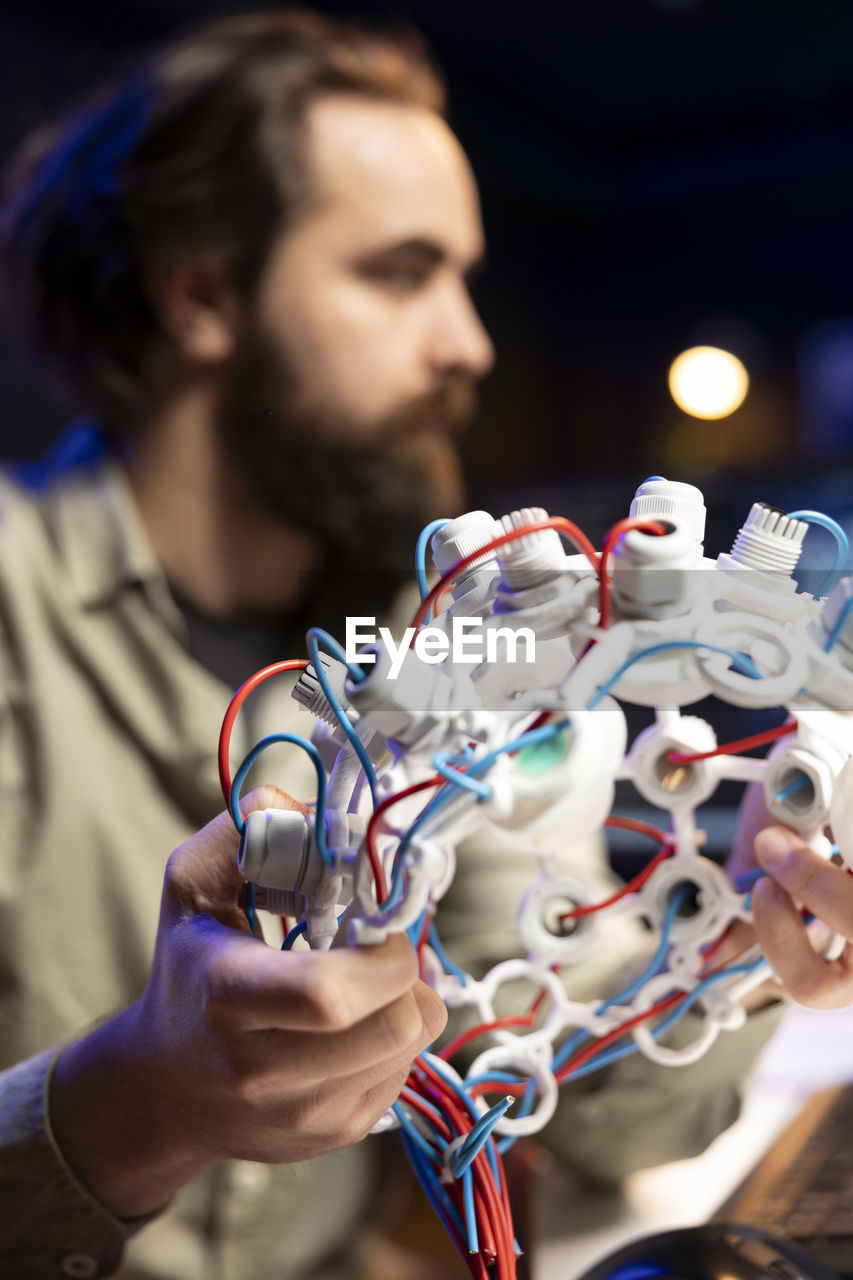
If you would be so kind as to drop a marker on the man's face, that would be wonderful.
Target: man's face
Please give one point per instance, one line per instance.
(364, 347)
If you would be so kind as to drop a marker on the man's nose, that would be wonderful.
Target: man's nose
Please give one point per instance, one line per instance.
(460, 340)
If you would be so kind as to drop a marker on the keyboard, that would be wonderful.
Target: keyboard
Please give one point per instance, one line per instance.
(803, 1187)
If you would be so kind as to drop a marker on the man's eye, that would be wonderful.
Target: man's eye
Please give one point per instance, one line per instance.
(397, 277)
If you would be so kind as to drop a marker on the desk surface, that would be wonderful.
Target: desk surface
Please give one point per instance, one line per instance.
(810, 1051)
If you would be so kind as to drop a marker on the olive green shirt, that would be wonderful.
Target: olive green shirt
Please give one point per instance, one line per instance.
(108, 738)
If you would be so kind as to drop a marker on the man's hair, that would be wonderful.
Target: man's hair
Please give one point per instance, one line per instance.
(197, 150)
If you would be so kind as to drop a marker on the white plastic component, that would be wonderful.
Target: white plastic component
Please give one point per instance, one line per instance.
(668, 784)
(414, 706)
(714, 905)
(769, 540)
(659, 651)
(527, 562)
(308, 691)
(564, 785)
(841, 814)
(655, 575)
(660, 499)
(274, 848)
(460, 538)
(834, 605)
(538, 921)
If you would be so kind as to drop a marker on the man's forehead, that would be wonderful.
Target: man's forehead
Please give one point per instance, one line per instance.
(391, 173)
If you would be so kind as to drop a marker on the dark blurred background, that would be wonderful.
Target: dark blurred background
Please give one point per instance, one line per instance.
(655, 174)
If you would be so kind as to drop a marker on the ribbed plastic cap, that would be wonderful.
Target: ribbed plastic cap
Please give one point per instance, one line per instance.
(460, 537)
(661, 499)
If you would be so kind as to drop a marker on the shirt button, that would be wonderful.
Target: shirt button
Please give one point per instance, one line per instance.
(79, 1265)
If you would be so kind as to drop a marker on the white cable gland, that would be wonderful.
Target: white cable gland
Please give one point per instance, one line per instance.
(308, 692)
(656, 575)
(274, 848)
(769, 540)
(660, 499)
(460, 538)
(529, 561)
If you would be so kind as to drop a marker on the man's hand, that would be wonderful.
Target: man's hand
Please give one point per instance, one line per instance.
(235, 1049)
(797, 875)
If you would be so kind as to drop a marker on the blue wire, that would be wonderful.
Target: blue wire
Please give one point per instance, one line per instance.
(420, 555)
(441, 761)
(415, 1135)
(841, 542)
(314, 637)
(444, 958)
(739, 660)
(791, 788)
(568, 1047)
(250, 906)
(467, 1152)
(470, 1214)
(434, 1191)
(296, 932)
(449, 792)
(839, 626)
(316, 760)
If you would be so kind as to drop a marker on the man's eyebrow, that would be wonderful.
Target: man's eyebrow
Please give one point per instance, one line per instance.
(429, 251)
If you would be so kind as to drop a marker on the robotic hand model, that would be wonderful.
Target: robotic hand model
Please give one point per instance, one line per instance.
(419, 744)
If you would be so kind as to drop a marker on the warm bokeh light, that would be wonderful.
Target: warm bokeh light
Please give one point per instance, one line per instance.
(708, 382)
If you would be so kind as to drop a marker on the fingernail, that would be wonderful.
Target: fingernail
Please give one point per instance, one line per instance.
(772, 848)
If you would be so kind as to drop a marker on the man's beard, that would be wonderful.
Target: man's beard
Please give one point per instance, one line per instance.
(366, 501)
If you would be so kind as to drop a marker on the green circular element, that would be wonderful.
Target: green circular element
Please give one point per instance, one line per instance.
(542, 757)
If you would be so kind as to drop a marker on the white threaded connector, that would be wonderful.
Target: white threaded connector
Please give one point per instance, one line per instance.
(309, 694)
(660, 499)
(529, 561)
(460, 538)
(769, 540)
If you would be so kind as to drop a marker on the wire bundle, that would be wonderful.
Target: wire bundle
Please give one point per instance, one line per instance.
(447, 1128)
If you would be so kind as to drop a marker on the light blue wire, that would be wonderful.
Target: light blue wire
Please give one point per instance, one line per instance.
(449, 792)
(614, 1055)
(441, 761)
(470, 1214)
(414, 1133)
(568, 1047)
(791, 788)
(434, 1191)
(316, 760)
(467, 1152)
(420, 555)
(841, 542)
(314, 638)
(444, 959)
(740, 660)
(296, 932)
(468, 1103)
(250, 906)
(843, 616)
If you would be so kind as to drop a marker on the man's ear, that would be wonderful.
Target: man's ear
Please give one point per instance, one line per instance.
(197, 307)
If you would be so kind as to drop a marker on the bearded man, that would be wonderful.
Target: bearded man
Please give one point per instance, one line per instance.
(248, 262)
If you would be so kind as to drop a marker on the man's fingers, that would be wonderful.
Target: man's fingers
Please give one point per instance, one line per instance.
(807, 977)
(202, 874)
(824, 889)
(251, 987)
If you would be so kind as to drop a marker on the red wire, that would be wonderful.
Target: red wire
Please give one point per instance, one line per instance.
(621, 527)
(293, 664)
(559, 523)
(636, 883)
(376, 816)
(731, 748)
